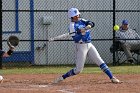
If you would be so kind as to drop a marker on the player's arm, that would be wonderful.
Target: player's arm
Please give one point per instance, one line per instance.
(72, 30)
(89, 24)
(6, 54)
(12, 42)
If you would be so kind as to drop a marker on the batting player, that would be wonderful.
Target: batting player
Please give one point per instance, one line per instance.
(82, 38)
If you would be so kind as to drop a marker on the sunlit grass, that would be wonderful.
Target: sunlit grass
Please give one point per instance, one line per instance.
(64, 69)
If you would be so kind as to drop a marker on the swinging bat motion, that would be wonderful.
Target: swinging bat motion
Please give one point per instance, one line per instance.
(81, 29)
(61, 36)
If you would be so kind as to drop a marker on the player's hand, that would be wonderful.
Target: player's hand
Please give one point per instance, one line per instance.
(83, 30)
(88, 27)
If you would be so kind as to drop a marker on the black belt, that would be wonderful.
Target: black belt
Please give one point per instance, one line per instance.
(83, 42)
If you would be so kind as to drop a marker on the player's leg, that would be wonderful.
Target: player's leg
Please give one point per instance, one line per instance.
(81, 52)
(94, 55)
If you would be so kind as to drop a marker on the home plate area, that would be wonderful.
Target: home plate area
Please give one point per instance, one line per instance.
(82, 83)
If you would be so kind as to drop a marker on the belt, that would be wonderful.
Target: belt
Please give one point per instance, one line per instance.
(83, 42)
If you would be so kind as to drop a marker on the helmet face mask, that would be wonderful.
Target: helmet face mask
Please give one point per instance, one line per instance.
(73, 12)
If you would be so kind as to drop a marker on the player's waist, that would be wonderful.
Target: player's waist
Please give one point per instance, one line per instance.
(81, 42)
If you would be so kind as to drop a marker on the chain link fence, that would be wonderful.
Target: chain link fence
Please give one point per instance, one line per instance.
(34, 21)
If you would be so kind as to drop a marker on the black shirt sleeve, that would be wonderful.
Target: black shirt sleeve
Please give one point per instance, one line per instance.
(92, 24)
(1, 53)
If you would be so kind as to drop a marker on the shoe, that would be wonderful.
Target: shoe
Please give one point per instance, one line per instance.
(115, 80)
(131, 61)
(1, 79)
(57, 80)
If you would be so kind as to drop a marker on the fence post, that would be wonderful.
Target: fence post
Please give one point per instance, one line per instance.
(1, 32)
(114, 12)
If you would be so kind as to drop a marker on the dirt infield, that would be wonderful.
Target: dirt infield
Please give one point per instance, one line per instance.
(82, 83)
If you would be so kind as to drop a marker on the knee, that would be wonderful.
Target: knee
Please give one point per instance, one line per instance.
(78, 70)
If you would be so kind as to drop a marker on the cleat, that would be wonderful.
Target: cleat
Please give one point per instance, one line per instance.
(1, 79)
(57, 80)
(115, 80)
(131, 61)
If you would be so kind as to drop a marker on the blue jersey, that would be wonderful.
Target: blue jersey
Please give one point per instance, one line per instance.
(78, 36)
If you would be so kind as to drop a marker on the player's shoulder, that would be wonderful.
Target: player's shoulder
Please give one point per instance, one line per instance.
(88, 22)
(82, 19)
(71, 24)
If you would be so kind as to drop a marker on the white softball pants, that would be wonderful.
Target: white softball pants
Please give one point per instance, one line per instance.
(82, 50)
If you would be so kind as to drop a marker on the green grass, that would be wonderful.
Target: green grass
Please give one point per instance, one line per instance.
(64, 69)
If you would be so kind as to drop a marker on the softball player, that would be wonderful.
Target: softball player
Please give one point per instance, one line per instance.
(81, 35)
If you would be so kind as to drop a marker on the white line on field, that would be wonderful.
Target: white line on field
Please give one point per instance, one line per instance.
(65, 91)
(40, 86)
(27, 89)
